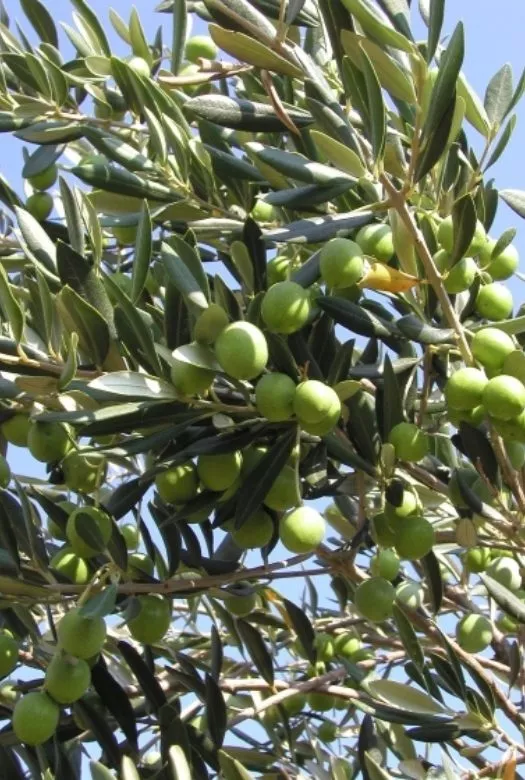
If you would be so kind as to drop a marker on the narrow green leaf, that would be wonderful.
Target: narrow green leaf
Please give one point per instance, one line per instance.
(143, 253)
(410, 699)
(434, 580)
(377, 111)
(91, 20)
(119, 25)
(435, 142)
(134, 385)
(137, 35)
(408, 637)
(102, 604)
(474, 109)
(435, 24)
(146, 679)
(464, 222)
(231, 769)
(257, 650)
(178, 763)
(504, 598)
(42, 158)
(518, 93)
(78, 315)
(502, 143)
(77, 272)
(515, 199)
(178, 36)
(118, 150)
(303, 628)
(72, 216)
(40, 247)
(243, 114)
(182, 278)
(70, 366)
(446, 82)
(216, 712)
(377, 24)
(498, 96)
(124, 182)
(11, 308)
(41, 20)
(397, 81)
(259, 481)
(139, 329)
(100, 772)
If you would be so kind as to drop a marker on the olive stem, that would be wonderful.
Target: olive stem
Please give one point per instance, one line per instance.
(398, 201)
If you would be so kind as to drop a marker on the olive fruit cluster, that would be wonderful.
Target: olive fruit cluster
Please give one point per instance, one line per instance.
(68, 676)
(494, 390)
(40, 203)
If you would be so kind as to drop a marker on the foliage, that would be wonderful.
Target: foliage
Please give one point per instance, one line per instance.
(230, 631)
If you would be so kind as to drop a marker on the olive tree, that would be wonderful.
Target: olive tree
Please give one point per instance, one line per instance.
(262, 399)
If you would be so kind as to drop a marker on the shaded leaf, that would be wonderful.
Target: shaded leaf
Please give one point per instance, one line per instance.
(258, 482)
(146, 679)
(116, 700)
(303, 628)
(257, 650)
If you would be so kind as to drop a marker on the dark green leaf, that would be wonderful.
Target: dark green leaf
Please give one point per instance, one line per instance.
(435, 142)
(309, 195)
(445, 87)
(355, 318)
(392, 401)
(118, 150)
(435, 23)
(40, 248)
(316, 230)
(78, 315)
(102, 604)
(116, 700)
(417, 330)
(243, 114)
(182, 278)
(340, 448)
(79, 274)
(101, 730)
(434, 581)
(123, 182)
(73, 217)
(376, 107)
(408, 637)
(504, 598)
(362, 426)
(258, 482)
(146, 679)
(216, 713)
(143, 253)
(42, 158)
(303, 628)
(125, 497)
(476, 446)
(178, 37)
(464, 222)
(257, 650)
